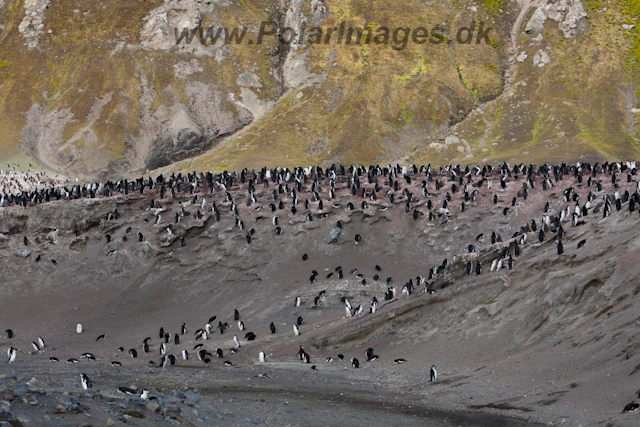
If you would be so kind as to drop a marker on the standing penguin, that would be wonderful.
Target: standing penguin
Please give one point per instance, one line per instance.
(86, 382)
(79, 328)
(12, 353)
(261, 357)
(433, 373)
(236, 342)
(355, 363)
(296, 331)
(272, 326)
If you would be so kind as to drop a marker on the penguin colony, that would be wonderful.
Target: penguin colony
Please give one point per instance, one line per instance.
(589, 192)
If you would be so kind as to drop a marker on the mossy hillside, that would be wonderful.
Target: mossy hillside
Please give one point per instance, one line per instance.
(576, 107)
(82, 61)
(389, 98)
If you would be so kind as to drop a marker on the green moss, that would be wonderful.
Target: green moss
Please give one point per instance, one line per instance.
(492, 6)
(4, 64)
(407, 114)
(421, 68)
(466, 82)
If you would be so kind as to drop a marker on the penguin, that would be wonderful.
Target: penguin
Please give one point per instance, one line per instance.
(183, 329)
(35, 346)
(296, 331)
(560, 247)
(236, 315)
(88, 356)
(54, 359)
(433, 373)
(581, 243)
(185, 355)
(12, 353)
(236, 342)
(115, 363)
(298, 301)
(101, 337)
(86, 382)
(631, 407)
(161, 333)
(126, 390)
(163, 348)
(172, 359)
(176, 339)
(9, 333)
(133, 353)
(144, 395)
(219, 353)
(261, 357)
(241, 325)
(72, 360)
(299, 321)
(399, 361)
(300, 353)
(272, 326)
(355, 363)
(79, 328)
(370, 356)
(41, 343)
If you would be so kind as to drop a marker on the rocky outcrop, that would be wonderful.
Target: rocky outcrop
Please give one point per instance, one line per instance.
(570, 15)
(164, 26)
(296, 72)
(172, 133)
(540, 59)
(32, 25)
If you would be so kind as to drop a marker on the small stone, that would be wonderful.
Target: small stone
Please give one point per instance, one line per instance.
(134, 413)
(522, 57)
(192, 396)
(111, 422)
(22, 253)
(153, 406)
(333, 235)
